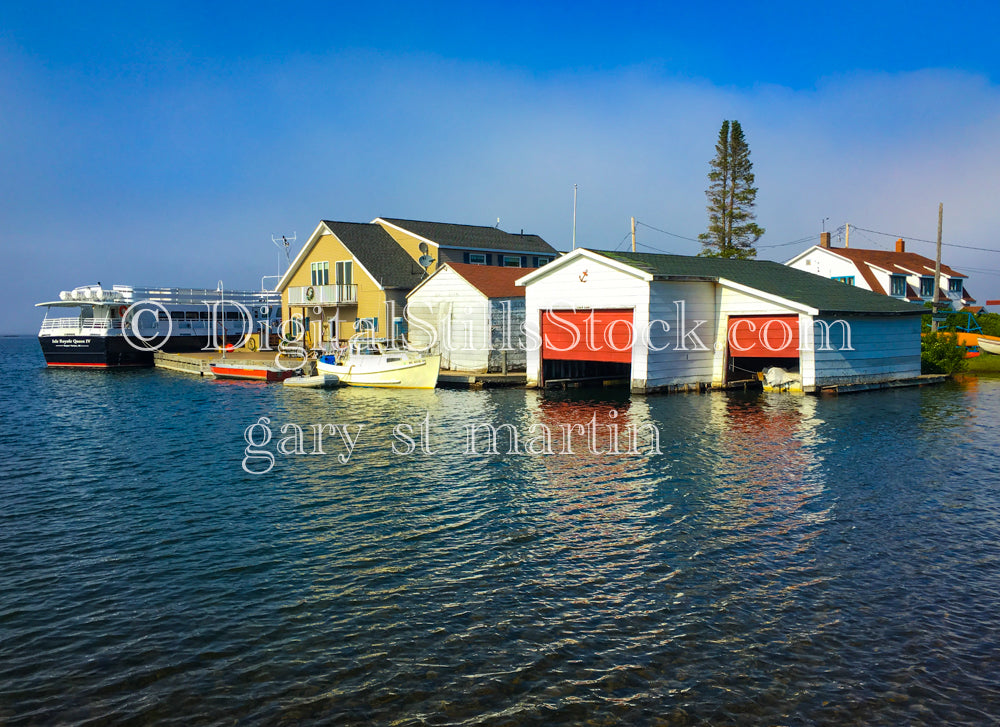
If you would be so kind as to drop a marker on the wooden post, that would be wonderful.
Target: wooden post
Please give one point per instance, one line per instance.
(937, 271)
(847, 238)
(633, 234)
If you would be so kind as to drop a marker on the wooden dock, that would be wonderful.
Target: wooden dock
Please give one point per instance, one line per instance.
(472, 380)
(199, 363)
(921, 380)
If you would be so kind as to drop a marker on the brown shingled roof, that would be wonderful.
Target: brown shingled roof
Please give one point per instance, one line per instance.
(491, 280)
(894, 262)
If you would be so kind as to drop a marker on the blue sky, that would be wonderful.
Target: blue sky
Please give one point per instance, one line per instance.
(166, 144)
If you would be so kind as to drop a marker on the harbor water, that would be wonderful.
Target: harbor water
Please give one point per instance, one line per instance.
(172, 552)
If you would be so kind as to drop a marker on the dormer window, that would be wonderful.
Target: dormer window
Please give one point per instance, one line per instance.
(955, 285)
(897, 286)
(848, 279)
(927, 286)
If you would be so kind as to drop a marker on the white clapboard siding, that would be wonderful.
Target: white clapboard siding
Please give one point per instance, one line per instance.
(581, 284)
(675, 309)
(459, 316)
(822, 262)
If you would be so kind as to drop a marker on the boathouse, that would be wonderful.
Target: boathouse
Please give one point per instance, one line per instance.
(473, 315)
(667, 322)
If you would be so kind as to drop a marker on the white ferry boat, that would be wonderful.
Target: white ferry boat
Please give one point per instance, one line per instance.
(92, 326)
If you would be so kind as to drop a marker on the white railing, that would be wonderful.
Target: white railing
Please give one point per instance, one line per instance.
(329, 294)
(79, 325)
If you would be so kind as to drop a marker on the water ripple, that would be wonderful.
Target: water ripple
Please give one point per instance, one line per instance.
(782, 559)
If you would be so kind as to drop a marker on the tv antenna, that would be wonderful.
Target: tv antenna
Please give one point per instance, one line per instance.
(283, 243)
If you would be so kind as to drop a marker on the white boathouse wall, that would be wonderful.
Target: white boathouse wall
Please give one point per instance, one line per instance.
(584, 284)
(688, 347)
(459, 316)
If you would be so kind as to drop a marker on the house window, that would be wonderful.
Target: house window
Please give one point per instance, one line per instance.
(477, 258)
(539, 261)
(344, 270)
(366, 324)
(955, 285)
(849, 279)
(512, 261)
(897, 286)
(926, 287)
(319, 273)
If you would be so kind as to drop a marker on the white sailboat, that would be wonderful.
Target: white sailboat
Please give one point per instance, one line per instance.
(372, 362)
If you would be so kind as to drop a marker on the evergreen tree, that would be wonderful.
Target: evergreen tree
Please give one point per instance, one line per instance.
(732, 230)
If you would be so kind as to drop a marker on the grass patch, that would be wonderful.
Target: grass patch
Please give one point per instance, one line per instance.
(984, 363)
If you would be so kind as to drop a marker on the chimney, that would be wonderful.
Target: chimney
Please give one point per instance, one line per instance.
(824, 239)
(900, 245)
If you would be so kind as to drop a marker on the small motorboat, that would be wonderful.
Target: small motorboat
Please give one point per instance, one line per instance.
(249, 371)
(989, 345)
(367, 361)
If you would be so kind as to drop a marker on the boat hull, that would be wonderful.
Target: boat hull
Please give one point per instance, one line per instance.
(409, 374)
(989, 346)
(95, 352)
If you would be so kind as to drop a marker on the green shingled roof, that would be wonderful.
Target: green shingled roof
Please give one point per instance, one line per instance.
(815, 291)
(473, 236)
(381, 256)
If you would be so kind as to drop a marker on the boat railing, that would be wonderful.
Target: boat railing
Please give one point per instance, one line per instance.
(201, 296)
(80, 325)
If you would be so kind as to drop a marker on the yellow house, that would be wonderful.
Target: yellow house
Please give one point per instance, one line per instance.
(351, 276)
(347, 276)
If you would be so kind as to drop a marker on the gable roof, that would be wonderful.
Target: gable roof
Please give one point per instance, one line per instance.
(493, 281)
(445, 234)
(372, 247)
(797, 286)
(388, 263)
(890, 261)
(899, 263)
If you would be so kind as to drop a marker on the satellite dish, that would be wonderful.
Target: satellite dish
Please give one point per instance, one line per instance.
(423, 249)
(425, 260)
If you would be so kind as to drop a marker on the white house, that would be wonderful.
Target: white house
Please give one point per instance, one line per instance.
(669, 321)
(899, 274)
(472, 314)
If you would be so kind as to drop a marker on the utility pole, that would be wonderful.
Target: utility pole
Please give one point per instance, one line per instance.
(937, 271)
(633, 234)
(574, 216)
(847, 238)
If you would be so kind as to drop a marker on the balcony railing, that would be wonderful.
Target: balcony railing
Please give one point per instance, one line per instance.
(323, 295)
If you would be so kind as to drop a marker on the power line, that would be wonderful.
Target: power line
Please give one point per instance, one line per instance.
(920, 239)
(672, 234)
(807, 238)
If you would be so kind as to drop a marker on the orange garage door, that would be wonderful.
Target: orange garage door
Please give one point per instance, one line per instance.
(591, 335)
(764, 336)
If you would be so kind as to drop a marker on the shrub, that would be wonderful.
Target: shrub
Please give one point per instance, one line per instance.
(941, 354)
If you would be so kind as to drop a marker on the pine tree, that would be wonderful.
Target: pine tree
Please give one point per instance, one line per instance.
(732, 230)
